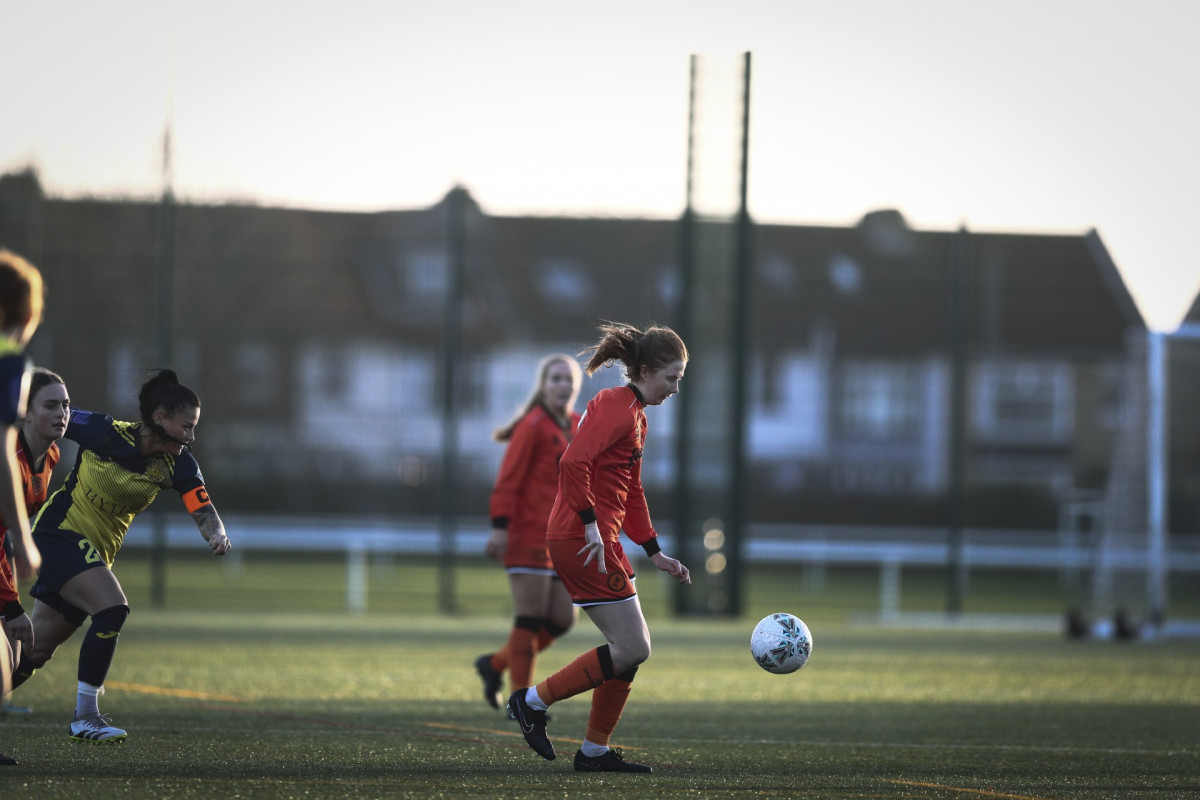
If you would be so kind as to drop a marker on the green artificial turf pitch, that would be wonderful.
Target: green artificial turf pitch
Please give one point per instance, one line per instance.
(254, 684)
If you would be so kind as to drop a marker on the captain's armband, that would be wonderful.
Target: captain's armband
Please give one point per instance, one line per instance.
(196, 499)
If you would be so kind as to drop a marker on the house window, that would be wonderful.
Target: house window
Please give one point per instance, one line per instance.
(565, 281)
(428, 274)
(880, 400)
(257, 374)
(1024, 403)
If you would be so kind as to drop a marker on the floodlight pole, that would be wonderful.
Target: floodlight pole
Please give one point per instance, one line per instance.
(456, 211)
(164, 326)
(1156, 463)
(955, 569)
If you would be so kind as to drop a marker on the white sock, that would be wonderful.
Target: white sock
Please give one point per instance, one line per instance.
(85, 701)
(591, 749)
(535, 702)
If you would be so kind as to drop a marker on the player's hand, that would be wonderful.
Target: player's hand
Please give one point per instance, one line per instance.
(594, 547)
(219, 544)
(21, 629)
(29, 561)
(672, 566)
(497, 543)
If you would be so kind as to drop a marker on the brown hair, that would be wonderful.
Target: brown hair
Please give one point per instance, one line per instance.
(40, 379)
(652, 348)
(504, 432)
(22, 292)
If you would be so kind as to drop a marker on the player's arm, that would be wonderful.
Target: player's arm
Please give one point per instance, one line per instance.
(205, 515)
(509, 489)
(17, 624)
(12, 509)
(639, 528)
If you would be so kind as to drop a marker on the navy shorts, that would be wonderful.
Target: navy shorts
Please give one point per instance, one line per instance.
(65, 554)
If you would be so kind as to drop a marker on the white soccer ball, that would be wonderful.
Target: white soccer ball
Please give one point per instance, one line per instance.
(781, 643)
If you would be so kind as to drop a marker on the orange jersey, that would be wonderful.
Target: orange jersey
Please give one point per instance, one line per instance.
(600, 475)
(528, 479)
(36, 485)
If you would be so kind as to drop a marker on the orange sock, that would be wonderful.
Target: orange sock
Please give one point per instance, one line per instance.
(521, 652)
(608, 701)
(502, 658)
(575, 678)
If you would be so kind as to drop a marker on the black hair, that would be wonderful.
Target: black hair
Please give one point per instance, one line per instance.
(163, 390)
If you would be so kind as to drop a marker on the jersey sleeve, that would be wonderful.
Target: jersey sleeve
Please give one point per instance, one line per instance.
(187, 475)
(90, 430)
(514, 471)
(637, 525)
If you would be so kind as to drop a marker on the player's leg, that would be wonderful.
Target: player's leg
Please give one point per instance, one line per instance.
(6, 664)
(587, 587)
(5, 671)
(54, 621)
(531, 596)
(97, 592)
(560, 615)
(624, 625)
(16, 651)
(529, 590)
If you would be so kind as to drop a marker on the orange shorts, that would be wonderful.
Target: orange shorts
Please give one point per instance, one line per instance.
(527, 552)
(587, 585)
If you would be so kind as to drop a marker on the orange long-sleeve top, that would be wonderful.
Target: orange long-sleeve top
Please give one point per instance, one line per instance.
(600, 475)
(36, 485)
(528, 478)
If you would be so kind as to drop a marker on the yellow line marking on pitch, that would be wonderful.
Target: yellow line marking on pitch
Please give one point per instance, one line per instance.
(169, 692)
(983, 792)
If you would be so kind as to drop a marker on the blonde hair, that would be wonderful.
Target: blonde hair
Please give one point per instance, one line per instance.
(652, 348)
(537, 396)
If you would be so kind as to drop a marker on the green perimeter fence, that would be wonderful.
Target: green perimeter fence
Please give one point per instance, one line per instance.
(396, 584)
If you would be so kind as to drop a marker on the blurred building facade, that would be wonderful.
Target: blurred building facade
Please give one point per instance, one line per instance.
(316, 342)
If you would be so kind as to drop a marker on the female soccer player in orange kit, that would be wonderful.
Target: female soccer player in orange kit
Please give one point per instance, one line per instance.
(520, 504)
(599, 495)
(37, 453)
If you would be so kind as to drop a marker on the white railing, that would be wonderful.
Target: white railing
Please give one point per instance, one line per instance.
(890, 549)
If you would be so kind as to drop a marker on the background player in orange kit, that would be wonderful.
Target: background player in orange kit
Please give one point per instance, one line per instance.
(44, 424)
(600, 494)
(520, 504)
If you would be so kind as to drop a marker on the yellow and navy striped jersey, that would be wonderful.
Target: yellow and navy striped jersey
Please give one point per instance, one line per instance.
(112, 482)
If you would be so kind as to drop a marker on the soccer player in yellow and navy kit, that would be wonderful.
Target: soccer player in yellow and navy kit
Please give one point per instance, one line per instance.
(120, 469)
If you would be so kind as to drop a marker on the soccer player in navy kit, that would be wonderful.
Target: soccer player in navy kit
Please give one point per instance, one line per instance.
(599, 495)
(120, 469)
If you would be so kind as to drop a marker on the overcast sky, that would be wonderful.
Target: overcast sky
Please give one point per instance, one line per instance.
(1049, 116)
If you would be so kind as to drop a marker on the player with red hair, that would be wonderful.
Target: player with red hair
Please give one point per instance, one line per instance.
(600, 494)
